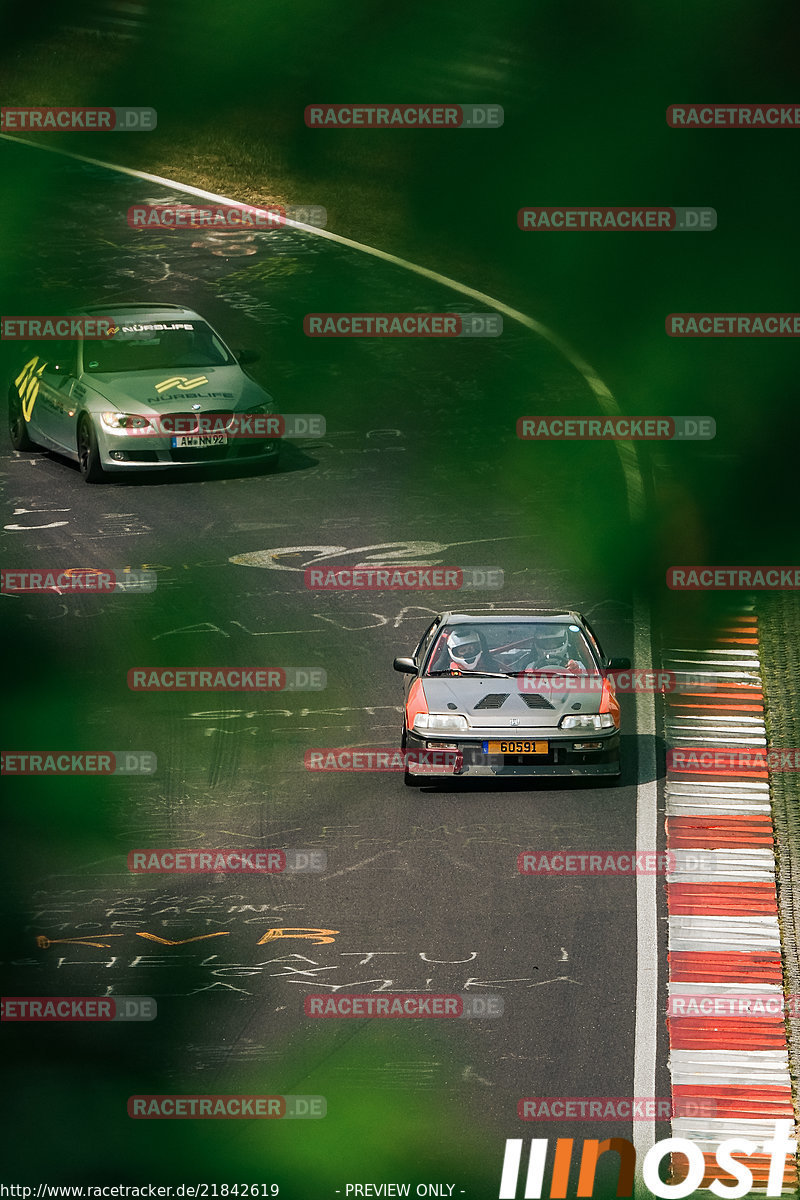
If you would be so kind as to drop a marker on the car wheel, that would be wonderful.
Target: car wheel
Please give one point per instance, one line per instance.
(412, 780)
(88, 453)
(408, 779)
(17, 426)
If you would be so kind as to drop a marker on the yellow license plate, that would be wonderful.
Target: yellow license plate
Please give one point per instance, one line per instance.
(516, 747)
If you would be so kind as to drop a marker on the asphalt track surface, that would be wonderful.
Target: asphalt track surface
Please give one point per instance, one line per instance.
(420, 464)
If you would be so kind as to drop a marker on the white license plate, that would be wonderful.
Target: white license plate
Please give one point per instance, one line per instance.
(197, 441)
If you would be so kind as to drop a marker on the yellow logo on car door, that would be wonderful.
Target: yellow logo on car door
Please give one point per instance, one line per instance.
(27, 383)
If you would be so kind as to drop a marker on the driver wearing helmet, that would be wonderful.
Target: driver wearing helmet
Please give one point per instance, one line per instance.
(552, 645)
(467, 651)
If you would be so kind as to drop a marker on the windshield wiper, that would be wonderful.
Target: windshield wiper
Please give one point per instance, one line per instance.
(553, 671)
(467, 675)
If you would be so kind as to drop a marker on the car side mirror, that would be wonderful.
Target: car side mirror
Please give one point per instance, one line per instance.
(246, 356)
(406, 665)
(618, 664)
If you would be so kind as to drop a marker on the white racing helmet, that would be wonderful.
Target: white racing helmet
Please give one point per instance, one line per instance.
(552, 641)
(464, 647)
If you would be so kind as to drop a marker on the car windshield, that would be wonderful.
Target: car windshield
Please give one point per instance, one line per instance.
(156, 346)
(510, 648)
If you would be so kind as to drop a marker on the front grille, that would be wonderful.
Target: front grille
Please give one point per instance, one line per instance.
(529, 760)
(195, 454)
(534, 700)
(187, 421)
(493, 700)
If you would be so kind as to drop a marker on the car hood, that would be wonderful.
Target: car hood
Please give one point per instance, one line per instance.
(214, 389)
(493, 703)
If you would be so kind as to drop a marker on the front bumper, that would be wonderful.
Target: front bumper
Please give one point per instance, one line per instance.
(468, 760)
(128, 452)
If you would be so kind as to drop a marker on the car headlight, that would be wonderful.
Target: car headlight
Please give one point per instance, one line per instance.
(261, 408)
(430, 721)
(587, 721)
(116, 420)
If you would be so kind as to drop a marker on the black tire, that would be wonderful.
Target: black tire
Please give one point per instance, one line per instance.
(17, 425)
(88, 453)
(408, 779)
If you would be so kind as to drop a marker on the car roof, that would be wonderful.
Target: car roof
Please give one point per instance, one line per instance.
(538, 615)
(150, 310)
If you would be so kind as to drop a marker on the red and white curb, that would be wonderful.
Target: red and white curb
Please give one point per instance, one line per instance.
(724, 937)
